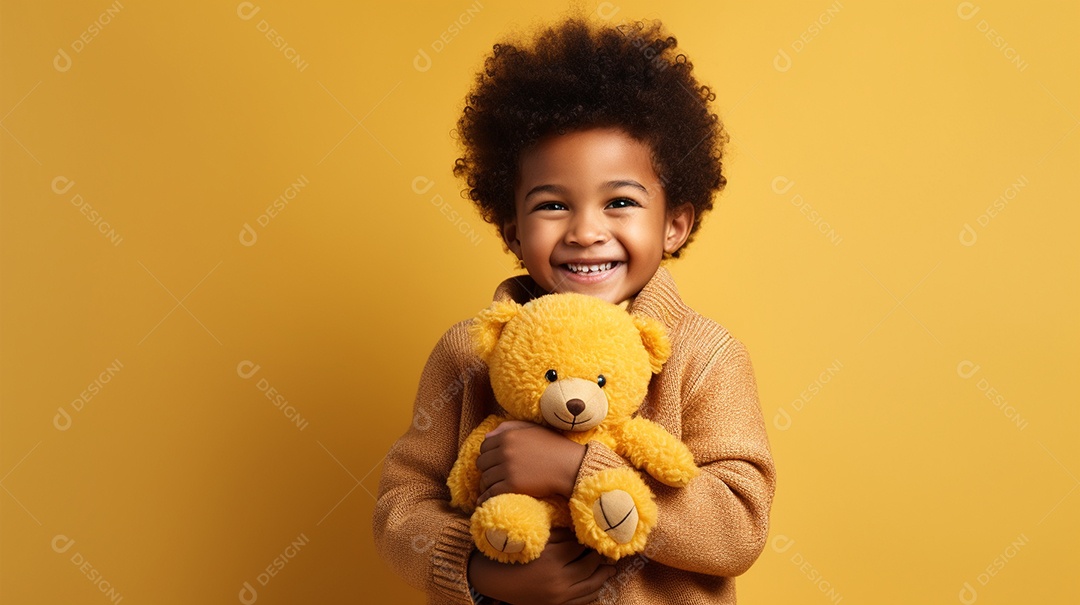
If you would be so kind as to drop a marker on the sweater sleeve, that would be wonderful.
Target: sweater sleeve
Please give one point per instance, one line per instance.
(416, 531)
(718, 524)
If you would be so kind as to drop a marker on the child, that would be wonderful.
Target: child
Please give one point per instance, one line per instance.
(595, 154)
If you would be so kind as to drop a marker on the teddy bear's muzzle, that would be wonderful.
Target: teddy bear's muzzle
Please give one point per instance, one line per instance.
(573, 404)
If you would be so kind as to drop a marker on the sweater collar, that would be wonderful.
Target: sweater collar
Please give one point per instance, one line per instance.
(659, 299)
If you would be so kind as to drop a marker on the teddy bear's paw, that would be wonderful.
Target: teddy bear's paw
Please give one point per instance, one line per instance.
(616, 514)
(511, 528)
(500, 541)
(613, 512)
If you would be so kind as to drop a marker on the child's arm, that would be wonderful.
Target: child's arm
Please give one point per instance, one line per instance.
(416, 530)
(520, 457)
(717, 524)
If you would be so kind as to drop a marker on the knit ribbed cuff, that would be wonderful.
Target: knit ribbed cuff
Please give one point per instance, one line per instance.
(450, 560)
(597, 458)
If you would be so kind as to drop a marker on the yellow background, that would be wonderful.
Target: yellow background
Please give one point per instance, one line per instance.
(900, 481)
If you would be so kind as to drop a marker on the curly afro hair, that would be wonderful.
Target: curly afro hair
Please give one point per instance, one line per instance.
(576, 76)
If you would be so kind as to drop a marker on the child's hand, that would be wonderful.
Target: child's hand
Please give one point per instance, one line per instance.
(566, 573)
(524, 458)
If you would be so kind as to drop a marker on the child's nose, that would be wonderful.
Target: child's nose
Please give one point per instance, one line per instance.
(588, 228)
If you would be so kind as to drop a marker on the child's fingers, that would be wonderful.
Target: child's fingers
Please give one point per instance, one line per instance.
(491, 473)
(584, 566)
(488, 459)
(589, 590)
(583, 569)
(494, 490)
(588, 576)
(509, 425)
(492, 476)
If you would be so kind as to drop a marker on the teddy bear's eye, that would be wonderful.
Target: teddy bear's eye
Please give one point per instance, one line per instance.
(551, 375)
(600, 380)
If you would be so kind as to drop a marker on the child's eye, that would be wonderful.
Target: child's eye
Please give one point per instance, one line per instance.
(629, 202)
(547, 205)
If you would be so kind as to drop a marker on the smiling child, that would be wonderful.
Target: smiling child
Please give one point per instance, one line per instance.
(594, 152)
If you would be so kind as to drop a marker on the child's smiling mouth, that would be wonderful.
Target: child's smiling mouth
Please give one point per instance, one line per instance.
(590, 272)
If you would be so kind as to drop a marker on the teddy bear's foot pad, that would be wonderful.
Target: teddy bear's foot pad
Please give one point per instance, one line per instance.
(617, 515)
(500, 541)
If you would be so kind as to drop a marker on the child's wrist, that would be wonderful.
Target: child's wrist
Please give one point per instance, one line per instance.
(574, 456)
(471, 575)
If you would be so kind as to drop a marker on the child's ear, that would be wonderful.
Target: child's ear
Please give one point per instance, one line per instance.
(510, 237)
(679, 222)
(654, 337)
(488, 326)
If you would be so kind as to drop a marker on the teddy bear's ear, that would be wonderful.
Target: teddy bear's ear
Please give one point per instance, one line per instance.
(488, 326)
(654, 337)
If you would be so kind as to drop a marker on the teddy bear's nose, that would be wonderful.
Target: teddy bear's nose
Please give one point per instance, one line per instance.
(575, 406)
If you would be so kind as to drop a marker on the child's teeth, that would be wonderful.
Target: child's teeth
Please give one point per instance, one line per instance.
(590, 268)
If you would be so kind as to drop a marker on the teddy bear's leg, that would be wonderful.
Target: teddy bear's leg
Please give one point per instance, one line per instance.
(512, 528)
(613, 512)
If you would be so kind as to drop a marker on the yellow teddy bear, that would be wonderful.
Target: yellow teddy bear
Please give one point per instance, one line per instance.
(580, 365)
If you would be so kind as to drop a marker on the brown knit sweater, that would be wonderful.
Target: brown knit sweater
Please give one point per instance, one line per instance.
(706, 533)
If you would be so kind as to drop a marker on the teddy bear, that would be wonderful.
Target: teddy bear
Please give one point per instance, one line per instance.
(581, 366)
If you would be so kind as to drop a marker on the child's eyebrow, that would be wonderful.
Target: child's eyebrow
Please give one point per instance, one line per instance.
(550, 188)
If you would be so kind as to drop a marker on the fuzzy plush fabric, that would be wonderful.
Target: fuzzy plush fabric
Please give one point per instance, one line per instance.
(706, 533)
(582, 366)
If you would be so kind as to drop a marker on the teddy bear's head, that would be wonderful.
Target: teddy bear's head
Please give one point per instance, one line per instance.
(568, 360)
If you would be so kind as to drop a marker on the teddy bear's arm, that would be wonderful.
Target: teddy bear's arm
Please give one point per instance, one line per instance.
(464, 480)
(651, 448)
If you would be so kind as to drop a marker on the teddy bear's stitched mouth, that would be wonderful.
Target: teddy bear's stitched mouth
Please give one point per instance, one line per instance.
(574, 421)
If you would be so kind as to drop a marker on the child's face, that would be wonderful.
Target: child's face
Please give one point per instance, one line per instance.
(592, 197)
